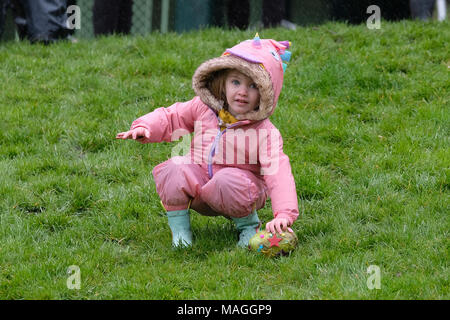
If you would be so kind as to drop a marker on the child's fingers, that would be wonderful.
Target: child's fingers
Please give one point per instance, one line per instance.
(142, 134)
(269, 227)
(120, 135)
(284, 224)
(278, 227)
(126, 135)
(136, 134)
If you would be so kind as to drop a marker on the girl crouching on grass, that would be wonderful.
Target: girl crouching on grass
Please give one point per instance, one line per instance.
(236, 159)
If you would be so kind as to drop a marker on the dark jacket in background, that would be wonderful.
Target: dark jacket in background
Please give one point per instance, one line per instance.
(43, 20)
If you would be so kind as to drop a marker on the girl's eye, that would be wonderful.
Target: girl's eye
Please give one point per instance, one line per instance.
(253, 86)
(235, 82)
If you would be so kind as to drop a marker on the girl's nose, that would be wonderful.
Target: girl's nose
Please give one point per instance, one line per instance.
(243, 91)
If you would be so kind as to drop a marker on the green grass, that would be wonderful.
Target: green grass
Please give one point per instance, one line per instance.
(365, 119)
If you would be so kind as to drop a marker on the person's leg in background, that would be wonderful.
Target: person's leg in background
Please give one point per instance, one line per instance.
(273, 12)
(125, 17)
(218, 13)
(421, 9)
(105, 16)
(238, 13)
(3, 8)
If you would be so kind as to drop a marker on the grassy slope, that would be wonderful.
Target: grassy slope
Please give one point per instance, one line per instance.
(365, 119)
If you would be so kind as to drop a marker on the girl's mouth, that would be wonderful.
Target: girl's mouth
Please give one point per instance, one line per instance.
(241, 101)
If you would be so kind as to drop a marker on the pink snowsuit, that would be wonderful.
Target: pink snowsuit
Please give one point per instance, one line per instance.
(232, 171)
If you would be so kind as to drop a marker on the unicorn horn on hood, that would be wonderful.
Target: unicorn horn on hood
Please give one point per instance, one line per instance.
(257, 41)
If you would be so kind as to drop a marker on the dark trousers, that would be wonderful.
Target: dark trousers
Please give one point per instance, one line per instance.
(273, 12)
(238, 13)
(3, 7)
(112, 16)
(421, 9)
(355, 11)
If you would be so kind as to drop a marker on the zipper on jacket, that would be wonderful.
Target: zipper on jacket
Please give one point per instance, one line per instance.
(212, 152)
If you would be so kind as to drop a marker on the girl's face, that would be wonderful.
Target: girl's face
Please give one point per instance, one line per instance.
(241, 92)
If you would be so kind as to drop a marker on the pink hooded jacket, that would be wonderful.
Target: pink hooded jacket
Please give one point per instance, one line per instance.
(253, 143)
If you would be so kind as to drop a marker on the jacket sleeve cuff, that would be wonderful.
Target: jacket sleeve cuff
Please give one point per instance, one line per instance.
(286, 216)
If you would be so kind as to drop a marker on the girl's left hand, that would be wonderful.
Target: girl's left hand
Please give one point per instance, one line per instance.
(277, 225)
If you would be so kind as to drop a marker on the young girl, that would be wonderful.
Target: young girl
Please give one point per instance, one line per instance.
(236, 159)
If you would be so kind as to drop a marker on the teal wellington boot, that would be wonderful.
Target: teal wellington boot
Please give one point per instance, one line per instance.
(180, 225)
(247, 226)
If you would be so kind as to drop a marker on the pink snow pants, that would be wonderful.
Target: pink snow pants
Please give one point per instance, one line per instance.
(232, 192)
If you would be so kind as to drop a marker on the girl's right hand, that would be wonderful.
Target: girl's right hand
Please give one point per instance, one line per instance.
(138, 134)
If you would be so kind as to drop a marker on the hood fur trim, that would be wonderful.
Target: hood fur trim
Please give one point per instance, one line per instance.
(255, 71)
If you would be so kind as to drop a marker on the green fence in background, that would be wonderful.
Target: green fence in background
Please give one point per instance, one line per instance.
(9, 32)
(169, 15)
(143, 21)
(186, 15)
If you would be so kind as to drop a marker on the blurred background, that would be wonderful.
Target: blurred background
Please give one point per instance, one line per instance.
(20, 18)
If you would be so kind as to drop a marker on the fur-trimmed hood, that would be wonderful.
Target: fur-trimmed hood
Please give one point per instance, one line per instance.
(259, 59)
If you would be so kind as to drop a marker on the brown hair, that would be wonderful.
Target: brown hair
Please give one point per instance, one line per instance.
(216, 85)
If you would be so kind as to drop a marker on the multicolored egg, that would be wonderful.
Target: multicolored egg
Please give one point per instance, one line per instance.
(272, 245)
